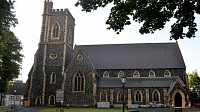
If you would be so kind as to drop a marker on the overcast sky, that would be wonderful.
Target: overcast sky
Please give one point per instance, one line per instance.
(90, 28)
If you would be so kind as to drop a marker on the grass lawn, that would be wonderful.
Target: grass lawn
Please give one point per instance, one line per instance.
(3, 108)
(83, 110)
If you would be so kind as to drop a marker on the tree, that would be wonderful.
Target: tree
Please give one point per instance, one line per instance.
(193, 79)
(153, 14)
(7, 15)
(10, 59)
(10, 46)
(194, 85)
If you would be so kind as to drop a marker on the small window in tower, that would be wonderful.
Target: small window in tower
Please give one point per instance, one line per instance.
(56, 29)
(53, 55)
(53, 78)
(70, 36)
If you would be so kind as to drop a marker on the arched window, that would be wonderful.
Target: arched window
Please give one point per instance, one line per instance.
(120, 74)
(53, 78)
(167, 73)
(138, 96)
(156, 96)
(70, 35)
(106, 74)
(79, 82)
(136, 74)
(103, 96)
(152, 73)
(120, 96)
(56, 29)
(79, 57)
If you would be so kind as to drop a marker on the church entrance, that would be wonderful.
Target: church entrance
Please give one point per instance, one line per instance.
(51, 100)
(38, 101)
(178, 100)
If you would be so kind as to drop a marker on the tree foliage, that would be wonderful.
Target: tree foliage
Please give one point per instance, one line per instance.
(10, 46)
(7, 15)
(10, 58)
(153, 14)
(194, 85)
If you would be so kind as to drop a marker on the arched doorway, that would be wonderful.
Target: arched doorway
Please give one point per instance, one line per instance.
(51, 100)
(178, 100)
(38, 101)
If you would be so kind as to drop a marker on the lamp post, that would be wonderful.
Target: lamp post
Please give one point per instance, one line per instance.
(14, 97)
(123, 79)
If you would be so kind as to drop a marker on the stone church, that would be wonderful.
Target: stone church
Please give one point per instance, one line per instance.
(91, 74)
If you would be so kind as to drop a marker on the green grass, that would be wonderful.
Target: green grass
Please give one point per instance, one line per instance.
(3, 108)
(82, 110)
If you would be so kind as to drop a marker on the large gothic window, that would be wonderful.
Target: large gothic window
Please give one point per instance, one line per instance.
(138, 96)
(156, 96)
(53, 78)
(120, 96)
(103, 96)
(79, 82)
(55, 31)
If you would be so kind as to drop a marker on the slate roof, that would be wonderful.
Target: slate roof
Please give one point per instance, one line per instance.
(137, 82)
(19, 86)
(134, 56)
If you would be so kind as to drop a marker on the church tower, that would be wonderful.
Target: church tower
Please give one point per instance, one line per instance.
(54, 54)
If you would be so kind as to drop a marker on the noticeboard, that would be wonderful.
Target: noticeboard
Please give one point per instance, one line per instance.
(59, 95)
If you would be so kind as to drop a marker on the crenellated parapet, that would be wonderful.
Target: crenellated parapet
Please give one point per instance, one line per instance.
(62, 11)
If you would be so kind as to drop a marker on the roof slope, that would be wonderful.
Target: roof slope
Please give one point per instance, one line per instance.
(134, 56)
(137, 82)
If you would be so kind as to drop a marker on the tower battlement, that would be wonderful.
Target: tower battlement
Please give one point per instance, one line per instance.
(59, 10)
(48, 1)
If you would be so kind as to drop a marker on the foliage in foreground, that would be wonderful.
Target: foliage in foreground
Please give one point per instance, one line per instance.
(10, 58)
(153, 14)
(194, 85)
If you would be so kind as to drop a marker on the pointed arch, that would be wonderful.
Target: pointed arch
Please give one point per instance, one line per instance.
(106, 74)
(120, 96)
(138, 96)
(155, 96)
(55, 30)
(103, 96)
(136, 74)
(79, 82)
(167, 73)
(152, 73)
(121, 74)
(178, 98)
(38, 101)
(79, 57)
(53, 78)
(51, 100)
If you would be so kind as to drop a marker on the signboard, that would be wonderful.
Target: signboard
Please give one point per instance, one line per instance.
(59, 95)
